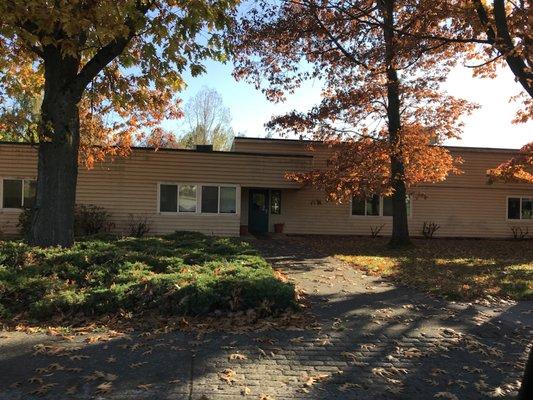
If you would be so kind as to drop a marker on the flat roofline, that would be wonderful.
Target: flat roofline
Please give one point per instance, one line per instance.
(473, 148)
(217, 152)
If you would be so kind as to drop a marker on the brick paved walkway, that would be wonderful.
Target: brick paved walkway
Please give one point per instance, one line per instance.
(371, 340)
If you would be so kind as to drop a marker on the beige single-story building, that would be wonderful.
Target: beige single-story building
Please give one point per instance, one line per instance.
(229, 193)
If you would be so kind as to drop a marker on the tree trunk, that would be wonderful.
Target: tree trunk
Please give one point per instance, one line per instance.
(400, 230)
(53, 216)
(526, 389)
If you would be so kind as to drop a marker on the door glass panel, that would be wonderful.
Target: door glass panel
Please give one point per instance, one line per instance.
(259, 201)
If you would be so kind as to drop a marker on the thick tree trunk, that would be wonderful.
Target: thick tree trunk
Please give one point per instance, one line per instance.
(53, 217)
(526, 389)
(400, 230)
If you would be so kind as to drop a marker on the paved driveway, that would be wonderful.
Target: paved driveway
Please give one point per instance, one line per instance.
(366, 339)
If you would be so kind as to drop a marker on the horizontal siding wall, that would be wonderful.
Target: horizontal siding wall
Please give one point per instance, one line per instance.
(459, 212)
(129, 186)
(463, 205)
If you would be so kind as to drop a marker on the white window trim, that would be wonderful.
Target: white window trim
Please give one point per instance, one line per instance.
(198, 211)
(517, 220)
(12, 178)
(409, 214)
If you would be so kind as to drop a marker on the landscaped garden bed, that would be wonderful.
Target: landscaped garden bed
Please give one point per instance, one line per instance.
(179, 274)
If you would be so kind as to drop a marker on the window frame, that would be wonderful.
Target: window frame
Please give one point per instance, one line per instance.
(380, 215)
(521, 197)
(199, 187)
(13, 178)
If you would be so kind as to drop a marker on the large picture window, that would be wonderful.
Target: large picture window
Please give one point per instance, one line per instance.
(205, 199)
(519, 208)
(376, 206)
(18, 193)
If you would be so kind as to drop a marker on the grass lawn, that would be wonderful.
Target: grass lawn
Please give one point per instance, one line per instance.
(456, 269)
(179, 274)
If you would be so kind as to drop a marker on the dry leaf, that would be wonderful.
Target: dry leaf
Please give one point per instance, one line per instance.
(446, 395)
(237, 356)
(77, 357)
(104, 387)
(311, 380)
(145, 386)
(71, 389)
(43, 389)
(245, 391)
(137, 365)
(228, 376)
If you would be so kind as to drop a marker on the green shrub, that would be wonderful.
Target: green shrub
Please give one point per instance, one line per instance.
(24, 222)
(88, 220)
(179, 274)
(91, 220)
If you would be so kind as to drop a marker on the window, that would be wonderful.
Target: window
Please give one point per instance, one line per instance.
(30, 190)
(519, 208)
(275, 202)
(372, 205)
(187, 198)
(18, 193)
(210, 199)
(376, 206)
(387, 206)
(178, 198)
(168, 198)
(228, 199)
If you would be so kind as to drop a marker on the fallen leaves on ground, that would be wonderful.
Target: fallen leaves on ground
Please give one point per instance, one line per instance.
(43, 389)
(237, 356)
(312, 379)
(446, 395)
(104, 387)
(228, 375)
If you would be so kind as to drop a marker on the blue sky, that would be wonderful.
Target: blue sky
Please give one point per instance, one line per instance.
(490, 126)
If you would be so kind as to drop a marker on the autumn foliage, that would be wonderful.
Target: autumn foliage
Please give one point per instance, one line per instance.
(97, 76)
(517, 169)
(383, 111)
(348, 167)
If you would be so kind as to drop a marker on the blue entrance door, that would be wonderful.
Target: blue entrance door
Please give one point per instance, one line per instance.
(258, 211)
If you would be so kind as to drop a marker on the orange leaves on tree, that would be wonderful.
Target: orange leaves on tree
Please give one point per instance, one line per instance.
(362, 167)
(517, 169)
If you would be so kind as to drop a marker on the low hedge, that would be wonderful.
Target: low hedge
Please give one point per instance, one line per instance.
(180, 274)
